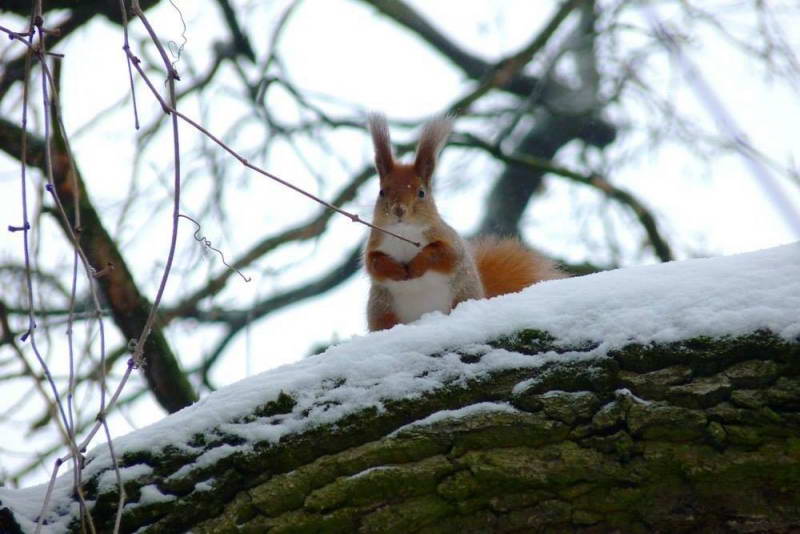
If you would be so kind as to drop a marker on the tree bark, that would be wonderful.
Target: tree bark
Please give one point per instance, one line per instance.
(129, 308)
(699, 435)
(108, 8)
(515, 186)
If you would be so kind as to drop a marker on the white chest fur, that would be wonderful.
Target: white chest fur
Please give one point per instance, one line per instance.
(414, 298)
(401, 250)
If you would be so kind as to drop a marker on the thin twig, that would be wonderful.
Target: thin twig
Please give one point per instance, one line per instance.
(125, 48)
(206, 243)
(48, 81)
(8, 335)
(304, 231)
(172, 75)
(36, 20)
(120, 487)
(170, 110)
(46, 106)
(505, 70)
(647, 220)
(48, 102)
(26, 225)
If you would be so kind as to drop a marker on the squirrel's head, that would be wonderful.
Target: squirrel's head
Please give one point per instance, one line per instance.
(405, 190)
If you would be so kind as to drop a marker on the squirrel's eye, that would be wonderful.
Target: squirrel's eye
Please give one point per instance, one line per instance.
(381, 193)
(421, 193)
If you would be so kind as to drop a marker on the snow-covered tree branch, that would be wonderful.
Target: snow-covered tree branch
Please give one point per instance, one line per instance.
(646, 399)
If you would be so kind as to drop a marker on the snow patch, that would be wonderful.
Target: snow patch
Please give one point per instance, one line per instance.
(208, 458)
(205, 485)
(625, 392)
(451, 415)
(369, 470)
(108, 480)
(151, 495)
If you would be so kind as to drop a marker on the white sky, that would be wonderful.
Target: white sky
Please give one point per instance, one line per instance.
(343, 49)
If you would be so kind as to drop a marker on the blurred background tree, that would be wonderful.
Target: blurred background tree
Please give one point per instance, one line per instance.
(584, 127)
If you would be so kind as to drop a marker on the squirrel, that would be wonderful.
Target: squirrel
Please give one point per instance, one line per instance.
(407, 280)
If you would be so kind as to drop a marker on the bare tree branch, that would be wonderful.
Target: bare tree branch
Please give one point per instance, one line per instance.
(302, 232)
(14, 70)
(129, 308)
(241, 43)
(514, 187)
(474, 67)
(500, 74)
(538, 168)
(237, 320)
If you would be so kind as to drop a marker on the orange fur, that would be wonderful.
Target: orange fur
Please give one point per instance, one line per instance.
(382, 267)
(505, 266)
(383, 321)
(401, 289)
(436, 256)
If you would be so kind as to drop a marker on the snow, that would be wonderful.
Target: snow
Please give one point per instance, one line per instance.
(208, 458)
(625, 392)
(150, 495)
(205, 485)
(466, 411)
(661, 303)
(108, 480)
(554, 393)
(369, 470)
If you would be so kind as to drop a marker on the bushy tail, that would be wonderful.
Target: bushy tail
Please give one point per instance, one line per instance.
(505, 266)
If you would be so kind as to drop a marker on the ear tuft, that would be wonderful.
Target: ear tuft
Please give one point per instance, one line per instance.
(379, 129)
(433, 138)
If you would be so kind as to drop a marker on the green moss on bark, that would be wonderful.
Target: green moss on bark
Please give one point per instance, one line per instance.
(705, 438)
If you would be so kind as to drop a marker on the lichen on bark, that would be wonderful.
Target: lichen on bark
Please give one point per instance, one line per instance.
(702, 434)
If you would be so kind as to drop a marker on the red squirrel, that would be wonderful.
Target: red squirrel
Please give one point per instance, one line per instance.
(409, 281)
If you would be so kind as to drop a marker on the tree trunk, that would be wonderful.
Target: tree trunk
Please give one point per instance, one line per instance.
(701, 435)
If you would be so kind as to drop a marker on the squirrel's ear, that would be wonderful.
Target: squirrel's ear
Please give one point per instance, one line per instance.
(433, 138)
(384, 160)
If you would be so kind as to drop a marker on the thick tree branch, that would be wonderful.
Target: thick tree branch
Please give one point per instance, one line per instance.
(241, 43)
(79, 14)
(128, 307)
(107, 8)
(510, 195)
(699, 434)
(538, 168)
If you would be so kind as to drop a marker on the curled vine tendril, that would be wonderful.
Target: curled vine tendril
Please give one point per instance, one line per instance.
(175, 49)
(206, 243)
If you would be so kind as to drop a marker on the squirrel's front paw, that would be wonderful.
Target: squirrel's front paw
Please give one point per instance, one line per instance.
(383, 266)
(417, 267)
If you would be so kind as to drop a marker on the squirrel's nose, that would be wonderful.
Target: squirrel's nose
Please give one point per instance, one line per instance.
(399, 211)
